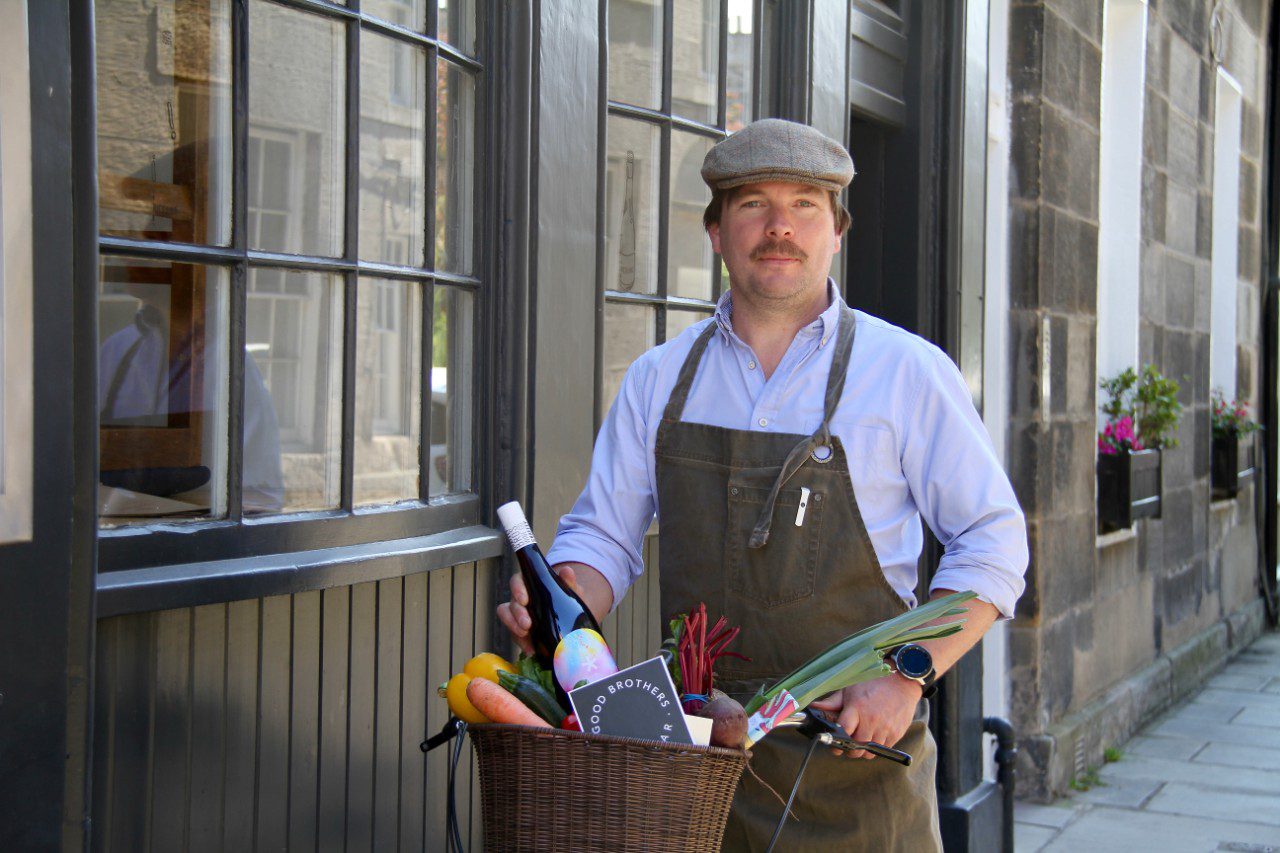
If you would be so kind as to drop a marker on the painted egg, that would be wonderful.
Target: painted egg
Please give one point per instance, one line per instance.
(582, 657)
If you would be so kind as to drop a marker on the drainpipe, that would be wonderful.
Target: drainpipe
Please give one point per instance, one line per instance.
(1006, 774)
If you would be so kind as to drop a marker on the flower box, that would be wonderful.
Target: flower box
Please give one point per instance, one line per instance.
(1129, 486)
(1231, 463)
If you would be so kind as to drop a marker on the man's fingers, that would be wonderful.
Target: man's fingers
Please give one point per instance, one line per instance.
(516, 621)
(569, 576)
(519, 594)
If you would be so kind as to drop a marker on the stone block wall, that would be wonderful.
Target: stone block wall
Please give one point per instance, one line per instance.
(1112, 628)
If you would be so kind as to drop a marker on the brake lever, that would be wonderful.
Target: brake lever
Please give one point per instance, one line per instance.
(817, 727)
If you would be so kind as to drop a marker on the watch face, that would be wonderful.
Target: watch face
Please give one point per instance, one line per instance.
(914, 661)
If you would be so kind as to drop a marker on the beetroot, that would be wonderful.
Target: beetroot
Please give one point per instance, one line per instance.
(728, 721)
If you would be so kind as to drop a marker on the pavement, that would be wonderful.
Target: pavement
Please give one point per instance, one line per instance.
(1204, 776)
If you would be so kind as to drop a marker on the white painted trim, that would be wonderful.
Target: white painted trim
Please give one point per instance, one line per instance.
(995, 362)
(1124, 52)
(16, 282)
(1224, 287)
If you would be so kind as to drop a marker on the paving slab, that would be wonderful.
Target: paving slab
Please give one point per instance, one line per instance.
(1242, 698)
(1236, 733)
(1234, 755)
(1239, 680)
(1210, 776)
(1196, 801)
(1111, 830)
(1273, 686)
(1206, 711)
(1028, 838)
(1258, 717)
(1113, 790)
(1180, 748)
(1057, 815)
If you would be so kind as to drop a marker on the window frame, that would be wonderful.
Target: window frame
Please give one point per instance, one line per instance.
(235, 536)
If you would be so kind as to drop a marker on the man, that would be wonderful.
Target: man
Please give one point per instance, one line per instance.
(790, 446)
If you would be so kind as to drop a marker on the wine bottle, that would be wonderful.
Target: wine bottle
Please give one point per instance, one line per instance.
(565, 635)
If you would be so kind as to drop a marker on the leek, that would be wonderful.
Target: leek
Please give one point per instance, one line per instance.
(860, 656)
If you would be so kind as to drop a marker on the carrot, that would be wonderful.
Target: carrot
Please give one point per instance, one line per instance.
(500, 706)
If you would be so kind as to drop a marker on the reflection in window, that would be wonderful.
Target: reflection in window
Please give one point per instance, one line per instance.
(293, 367)
(635, 52)
(631, 213)
(388, 390)
(455, 167)
(410, 14)
(695, 59)
(299, 95)
(164, 119)
(162, 390)
(457, 24)
(628, 332)
(452, 366)
(739, 66)
(689, 255)
(393, 114)
(678, 321)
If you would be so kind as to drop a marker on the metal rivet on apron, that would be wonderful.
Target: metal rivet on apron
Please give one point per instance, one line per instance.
(817, 498)
(734, 490)
(822, 453)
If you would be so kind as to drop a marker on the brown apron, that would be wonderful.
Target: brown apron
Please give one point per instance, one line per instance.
(728, 502)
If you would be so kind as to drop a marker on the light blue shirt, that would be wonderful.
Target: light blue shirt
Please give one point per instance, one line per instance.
(916, 447)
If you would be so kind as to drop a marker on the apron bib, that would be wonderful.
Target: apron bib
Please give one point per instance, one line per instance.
(728, 506)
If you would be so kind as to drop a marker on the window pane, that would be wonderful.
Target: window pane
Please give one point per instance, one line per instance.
(452, 366)
(695, 59)
(393, 134)
(296, 108)
(410, 14)
(678, 321)
(628, 332)
(689, 255)
(455, 167)
(457, 24)
(162, 390)
(635, 52)
(292, 391)
(631, 206)
(388, 390)
(164, 119)
(739, 67)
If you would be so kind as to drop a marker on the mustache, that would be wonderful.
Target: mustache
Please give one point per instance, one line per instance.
(778, 248)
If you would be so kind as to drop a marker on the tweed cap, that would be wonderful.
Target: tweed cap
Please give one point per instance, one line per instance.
(773, 149)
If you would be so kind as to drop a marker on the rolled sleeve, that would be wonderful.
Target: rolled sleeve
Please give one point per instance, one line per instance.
(962, 492)
(606, 527)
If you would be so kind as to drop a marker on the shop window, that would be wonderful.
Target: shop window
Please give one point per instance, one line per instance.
(288, 299)
(679, 79)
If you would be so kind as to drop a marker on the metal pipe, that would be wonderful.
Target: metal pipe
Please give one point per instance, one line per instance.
(1006, 758)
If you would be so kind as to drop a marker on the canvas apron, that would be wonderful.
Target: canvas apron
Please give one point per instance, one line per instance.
(728, 503)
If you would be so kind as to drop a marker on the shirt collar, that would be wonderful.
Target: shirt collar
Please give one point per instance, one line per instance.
(825, 325)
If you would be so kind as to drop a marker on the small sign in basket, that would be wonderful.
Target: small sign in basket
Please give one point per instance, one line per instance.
(553, 790)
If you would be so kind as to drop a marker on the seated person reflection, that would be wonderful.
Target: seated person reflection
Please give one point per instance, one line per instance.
(141, 385)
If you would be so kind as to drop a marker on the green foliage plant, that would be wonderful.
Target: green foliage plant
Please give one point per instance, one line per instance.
(1150, 402)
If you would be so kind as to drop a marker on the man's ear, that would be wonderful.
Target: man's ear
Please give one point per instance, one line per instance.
(839, 241)
(713, 231)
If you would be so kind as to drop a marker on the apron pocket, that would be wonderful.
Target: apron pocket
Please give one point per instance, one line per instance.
(783, 571)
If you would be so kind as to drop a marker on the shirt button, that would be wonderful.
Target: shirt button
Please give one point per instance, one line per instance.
(764, 422)
(822, 342)
(751, 365)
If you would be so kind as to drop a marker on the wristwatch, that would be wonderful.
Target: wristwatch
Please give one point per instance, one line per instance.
(913, 662)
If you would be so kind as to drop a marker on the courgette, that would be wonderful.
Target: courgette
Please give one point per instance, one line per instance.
(534, 695)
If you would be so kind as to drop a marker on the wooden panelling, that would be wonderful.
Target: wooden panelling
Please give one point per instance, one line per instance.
(290, 722)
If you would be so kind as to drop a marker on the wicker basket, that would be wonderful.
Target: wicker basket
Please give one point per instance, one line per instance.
(545, 789)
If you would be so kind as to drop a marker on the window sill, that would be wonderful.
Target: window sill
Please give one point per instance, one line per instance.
(193, 584)
(1108, 540)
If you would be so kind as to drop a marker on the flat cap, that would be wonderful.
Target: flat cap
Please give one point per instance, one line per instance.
(774, 149)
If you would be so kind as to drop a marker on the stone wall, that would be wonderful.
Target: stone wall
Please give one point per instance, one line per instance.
(1113, 627)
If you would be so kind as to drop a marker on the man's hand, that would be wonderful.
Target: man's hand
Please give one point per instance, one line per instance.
(880, 711)
(588, 583)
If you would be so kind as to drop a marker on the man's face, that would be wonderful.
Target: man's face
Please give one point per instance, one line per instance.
(777, 239)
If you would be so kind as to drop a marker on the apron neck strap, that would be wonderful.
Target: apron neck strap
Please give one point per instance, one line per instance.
(839, 364)
(680, 393)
